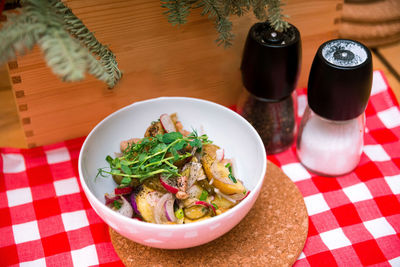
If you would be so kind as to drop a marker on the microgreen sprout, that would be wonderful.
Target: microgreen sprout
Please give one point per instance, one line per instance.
(204, 195)
(117, 204)
(229, 166)
(152, 156)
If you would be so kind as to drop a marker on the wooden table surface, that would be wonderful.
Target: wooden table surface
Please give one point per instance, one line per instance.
(12, 135)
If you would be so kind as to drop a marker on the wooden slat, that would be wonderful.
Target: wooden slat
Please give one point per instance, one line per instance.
(11, 133)
(157, 60)
(392, 55)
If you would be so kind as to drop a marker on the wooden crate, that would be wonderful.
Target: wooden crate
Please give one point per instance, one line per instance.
(157, 60)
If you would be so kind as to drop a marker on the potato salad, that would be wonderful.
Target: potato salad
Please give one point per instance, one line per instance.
(172, 176)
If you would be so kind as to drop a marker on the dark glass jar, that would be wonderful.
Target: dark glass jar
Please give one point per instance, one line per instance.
(270, 69)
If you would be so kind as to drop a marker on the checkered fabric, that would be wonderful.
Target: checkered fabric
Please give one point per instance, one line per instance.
(45, 218)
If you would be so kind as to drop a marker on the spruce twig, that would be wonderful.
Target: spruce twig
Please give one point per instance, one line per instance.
(220, 10)
(78, 30)
(178, 11)
(275, 16)
(69, 48)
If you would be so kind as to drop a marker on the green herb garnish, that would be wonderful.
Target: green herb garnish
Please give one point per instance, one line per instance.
(153, 155)
(179, 213)
(215, 206)
(126, 181)
(229, 166)
(203, 195)
(117, 204)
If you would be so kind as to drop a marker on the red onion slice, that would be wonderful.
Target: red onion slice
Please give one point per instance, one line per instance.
(167, 123)
(239, 196)
(134, 205)
(207, 205)
(168, 187)
(169, 210)
(159, 211)
(224, 196)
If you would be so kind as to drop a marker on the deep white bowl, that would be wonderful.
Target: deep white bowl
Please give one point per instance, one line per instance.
(226, 128)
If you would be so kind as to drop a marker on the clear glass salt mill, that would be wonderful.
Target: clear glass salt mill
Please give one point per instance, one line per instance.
(270, 68)
(331, 133)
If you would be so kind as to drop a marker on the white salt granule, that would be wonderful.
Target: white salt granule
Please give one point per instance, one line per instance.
(346, 46)
(330, 147)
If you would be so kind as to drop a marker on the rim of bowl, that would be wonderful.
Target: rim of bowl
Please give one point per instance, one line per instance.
(167, 226)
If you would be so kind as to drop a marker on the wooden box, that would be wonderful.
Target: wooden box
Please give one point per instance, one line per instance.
(157, 60)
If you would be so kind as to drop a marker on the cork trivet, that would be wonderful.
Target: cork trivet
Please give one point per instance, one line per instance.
(272, 234)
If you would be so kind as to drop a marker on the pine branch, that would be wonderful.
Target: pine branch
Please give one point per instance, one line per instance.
(275, 16)
(220, 10)
(259, 8)
(236, 7)
(16, 37)
(69, 48)
(78, 30)
(223, 25)
(178, 11)
(64, 55)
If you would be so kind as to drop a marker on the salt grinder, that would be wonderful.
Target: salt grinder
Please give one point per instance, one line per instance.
(270, 69)
(331, 133)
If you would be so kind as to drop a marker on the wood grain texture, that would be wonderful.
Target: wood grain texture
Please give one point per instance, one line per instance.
(392, 55)
(272, 234)
(11, 133)
(157, 60)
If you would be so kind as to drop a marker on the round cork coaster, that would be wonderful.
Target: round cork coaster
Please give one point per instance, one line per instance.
(272, 234)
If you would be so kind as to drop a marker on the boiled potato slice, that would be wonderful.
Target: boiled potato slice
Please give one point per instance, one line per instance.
(217, 172)
(195, 212)
(222, 203)
(154, 129)
(145, 202)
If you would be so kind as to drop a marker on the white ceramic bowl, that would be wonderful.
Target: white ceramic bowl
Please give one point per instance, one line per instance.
(223, 126)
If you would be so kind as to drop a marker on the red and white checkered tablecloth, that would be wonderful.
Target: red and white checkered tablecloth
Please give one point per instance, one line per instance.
(45, 218)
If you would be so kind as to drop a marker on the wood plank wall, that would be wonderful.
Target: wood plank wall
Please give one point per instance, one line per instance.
(157, 60)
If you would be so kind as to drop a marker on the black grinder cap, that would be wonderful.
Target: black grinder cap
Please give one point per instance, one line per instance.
(271, 61)
(340, 80)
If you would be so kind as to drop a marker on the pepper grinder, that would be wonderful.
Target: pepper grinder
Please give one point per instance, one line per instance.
(331, 133)
(270, 68)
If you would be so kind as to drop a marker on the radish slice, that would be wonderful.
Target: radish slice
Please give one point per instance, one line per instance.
(134, 205)
(169, 210)
(167, 123)
(220, 154)
(123, 190)
(168, 187)
(207, 205)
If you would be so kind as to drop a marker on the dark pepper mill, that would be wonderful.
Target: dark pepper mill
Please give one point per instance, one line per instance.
(270, 69)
